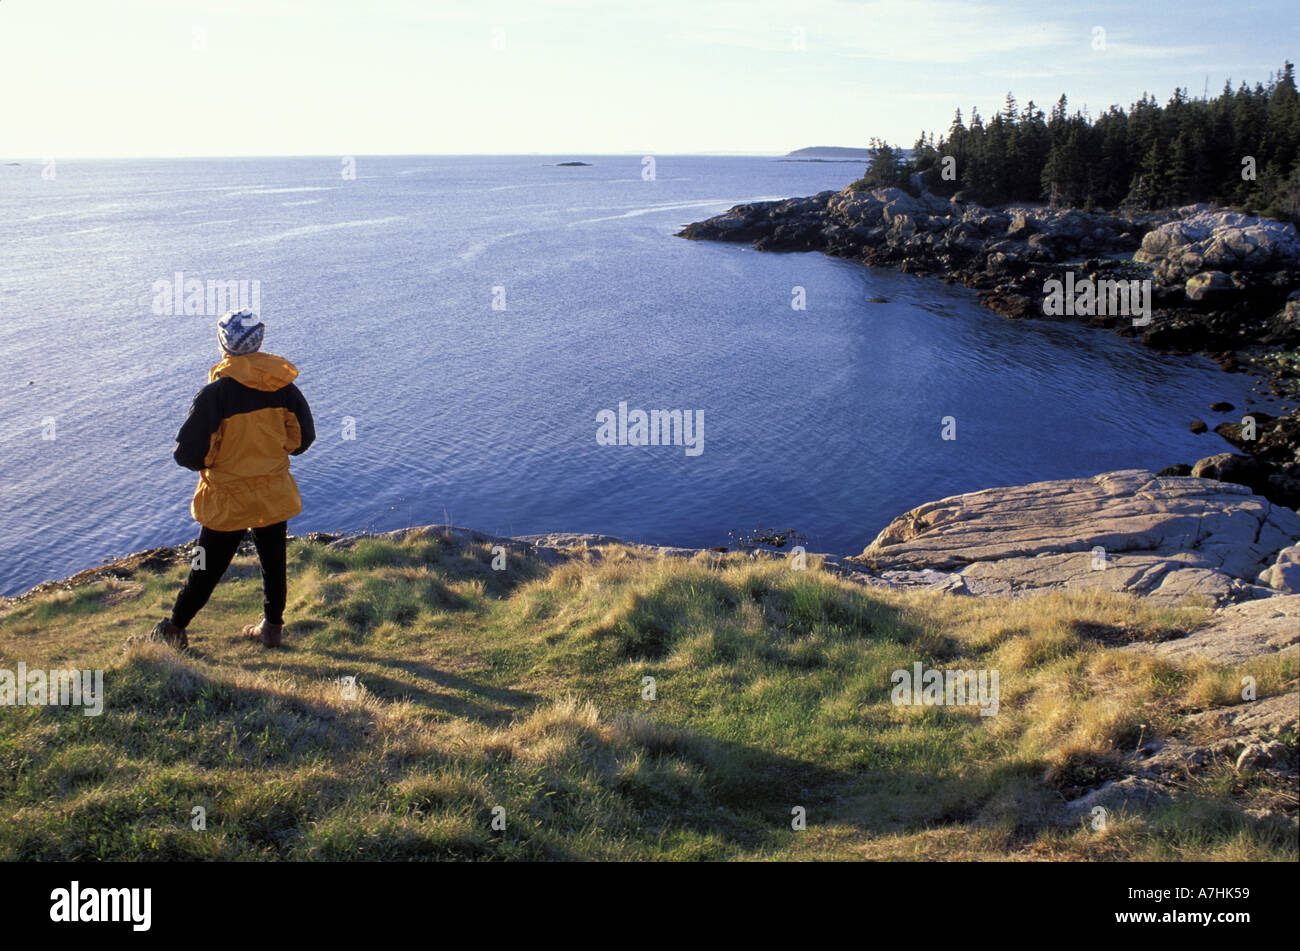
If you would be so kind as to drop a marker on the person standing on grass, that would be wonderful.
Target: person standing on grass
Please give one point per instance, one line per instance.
(241, 430)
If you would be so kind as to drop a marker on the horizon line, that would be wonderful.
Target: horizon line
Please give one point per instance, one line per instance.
(258, 155)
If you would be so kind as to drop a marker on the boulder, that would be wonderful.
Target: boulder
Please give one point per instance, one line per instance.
(900, 224)
(1219, 253)
(896, 196)
(1284, 574)
(1284, 327)
(1279, 483)
(1159, 243)
(1207, 284)
(1162, 537)
(1233, 432)
(1021, 226)
(1043, 242)
(1235, 468)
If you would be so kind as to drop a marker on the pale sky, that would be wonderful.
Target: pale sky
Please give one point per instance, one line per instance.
(363, 77)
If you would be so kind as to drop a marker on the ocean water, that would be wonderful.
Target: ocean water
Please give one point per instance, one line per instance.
(381, 288)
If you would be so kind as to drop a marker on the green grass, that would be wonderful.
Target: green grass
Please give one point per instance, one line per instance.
(519, 694)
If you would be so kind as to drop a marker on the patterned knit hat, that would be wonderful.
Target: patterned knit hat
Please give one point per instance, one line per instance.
(239, 332)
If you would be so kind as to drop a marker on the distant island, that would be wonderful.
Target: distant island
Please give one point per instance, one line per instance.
(828, 153)
(572, 163)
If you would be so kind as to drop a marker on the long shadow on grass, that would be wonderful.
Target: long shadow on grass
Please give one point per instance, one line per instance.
(498, 703)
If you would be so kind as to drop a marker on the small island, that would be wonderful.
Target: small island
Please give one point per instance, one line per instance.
(823, 153)
(831, 154)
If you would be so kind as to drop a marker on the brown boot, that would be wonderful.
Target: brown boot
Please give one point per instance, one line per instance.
(269, 634)
(168, 633)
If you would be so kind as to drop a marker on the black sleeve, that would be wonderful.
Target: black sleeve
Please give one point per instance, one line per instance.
(195, 438)
(305, 422)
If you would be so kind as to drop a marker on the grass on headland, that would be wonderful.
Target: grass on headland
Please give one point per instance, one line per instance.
(483, 698)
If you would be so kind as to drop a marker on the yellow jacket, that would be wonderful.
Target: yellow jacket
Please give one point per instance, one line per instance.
(241, 430)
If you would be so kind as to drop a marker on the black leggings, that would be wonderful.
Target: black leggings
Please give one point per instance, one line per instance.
(218, 549)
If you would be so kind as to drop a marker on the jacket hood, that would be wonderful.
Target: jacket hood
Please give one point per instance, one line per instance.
(261, 371)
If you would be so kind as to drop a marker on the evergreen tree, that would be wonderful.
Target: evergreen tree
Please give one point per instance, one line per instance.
(887, 169)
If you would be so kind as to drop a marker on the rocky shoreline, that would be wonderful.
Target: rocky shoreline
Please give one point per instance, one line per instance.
(1221, 283)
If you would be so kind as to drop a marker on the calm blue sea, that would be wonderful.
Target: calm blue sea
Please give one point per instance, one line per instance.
(381, 289)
